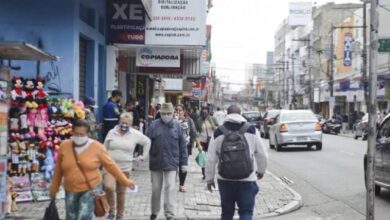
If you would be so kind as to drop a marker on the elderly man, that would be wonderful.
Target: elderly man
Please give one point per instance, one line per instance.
(167, 153)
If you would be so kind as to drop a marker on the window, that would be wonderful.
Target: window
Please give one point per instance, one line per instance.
(87, 15)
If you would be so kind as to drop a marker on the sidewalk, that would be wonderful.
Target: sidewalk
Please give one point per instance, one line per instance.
(274, 198)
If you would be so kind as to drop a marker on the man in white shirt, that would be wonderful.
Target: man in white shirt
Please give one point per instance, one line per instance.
(220, 116)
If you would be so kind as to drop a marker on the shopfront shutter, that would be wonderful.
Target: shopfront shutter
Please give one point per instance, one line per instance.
(83, 66)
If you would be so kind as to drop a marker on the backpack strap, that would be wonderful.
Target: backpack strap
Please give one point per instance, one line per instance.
(244, 128)
(224, 130)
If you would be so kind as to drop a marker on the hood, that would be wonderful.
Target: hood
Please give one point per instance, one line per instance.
(235, 118)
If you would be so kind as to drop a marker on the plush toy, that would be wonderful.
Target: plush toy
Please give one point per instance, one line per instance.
(23, 123)
(14, 119)
(41, 122)
(48, 166)
(14, 158)
(18, 96)
(14, 207)
(40, 94)
(8, 202)
(23, 159)
(67, 109)
(31, 116)
(79, 110)
(29, 88)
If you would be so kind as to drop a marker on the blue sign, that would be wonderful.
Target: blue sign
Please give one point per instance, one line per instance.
(347, 49)
(125, 22)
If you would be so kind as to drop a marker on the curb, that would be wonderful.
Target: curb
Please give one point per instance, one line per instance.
(294, 205)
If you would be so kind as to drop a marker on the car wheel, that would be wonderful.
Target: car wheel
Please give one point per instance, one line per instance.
(278, 146)
(377, 190)
(319, 146)
(356, 137)
(309, 146)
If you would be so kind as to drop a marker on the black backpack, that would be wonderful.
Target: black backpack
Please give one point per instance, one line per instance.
(235, 161)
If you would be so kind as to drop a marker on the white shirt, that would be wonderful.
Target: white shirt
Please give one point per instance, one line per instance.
(220, 117)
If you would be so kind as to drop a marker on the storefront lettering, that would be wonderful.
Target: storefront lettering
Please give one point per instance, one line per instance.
(135, 12)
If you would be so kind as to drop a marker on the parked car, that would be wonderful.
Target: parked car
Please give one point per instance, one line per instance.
(267, 121)
(295, 127)
(382, 157)
(361, 129)
(331, 126)
(253, 117)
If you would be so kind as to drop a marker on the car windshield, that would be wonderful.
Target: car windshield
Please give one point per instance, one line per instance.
(272, 114)
(298, 116)
(251, 114)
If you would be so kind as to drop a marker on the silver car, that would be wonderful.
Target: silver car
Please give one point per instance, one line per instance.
(295, 127)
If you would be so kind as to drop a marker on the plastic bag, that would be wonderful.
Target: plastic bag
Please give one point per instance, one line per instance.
(201, 159)
(51, 212)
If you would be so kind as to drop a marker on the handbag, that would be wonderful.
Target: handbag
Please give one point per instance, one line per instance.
(51, 212)
(100, 199)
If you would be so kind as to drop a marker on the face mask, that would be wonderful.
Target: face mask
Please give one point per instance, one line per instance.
(80, 140)
(124, 128)
(166, 118)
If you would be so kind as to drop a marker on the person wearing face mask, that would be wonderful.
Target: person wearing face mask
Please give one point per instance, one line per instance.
(205, 125)
(120, 144)
(167, 153)
(78, 163)
(111, 112)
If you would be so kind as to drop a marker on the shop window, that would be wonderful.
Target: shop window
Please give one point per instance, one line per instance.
(102, 25)
(87, 15)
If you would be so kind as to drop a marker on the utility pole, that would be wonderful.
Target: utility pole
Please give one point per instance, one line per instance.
(372, 111)
(364, 54)
(293, 82)
(331, 108)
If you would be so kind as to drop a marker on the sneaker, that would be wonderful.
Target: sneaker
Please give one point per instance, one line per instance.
(153, 217)
(110, 217)
(170, 218)
(119, 218)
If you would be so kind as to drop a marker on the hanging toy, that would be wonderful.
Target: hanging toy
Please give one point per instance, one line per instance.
(48, 166)
(41, 122)
(23, 159)
(14, 123)
(40, 94)
(23, 123)
(18, 96)
(79, 110)
(29, 88)
(31, 117)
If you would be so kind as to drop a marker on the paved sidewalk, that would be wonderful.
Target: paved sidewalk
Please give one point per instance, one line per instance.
(274, 198)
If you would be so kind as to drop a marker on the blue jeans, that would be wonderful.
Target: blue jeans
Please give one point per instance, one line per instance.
(79, 206)
(240, 192)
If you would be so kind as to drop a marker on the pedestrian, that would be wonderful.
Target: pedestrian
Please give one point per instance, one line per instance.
(168, 152)
(205, 126)
(120, 144)
(130, 108)
(90, 106)
(111, 112)
(194, 114)
(158, 115)
(237, 177)
(78, 163)
(190, 135)
(219, 115)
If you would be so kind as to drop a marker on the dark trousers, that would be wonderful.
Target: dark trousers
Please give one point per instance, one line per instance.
(182, 177)
(107, 126)
(240, 192)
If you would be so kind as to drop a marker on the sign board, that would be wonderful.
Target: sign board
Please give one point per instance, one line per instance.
(158, 57)
(299, 13)
(384, 45)
(177, 23)
(347, 49)
(125, 22)
(147, 7)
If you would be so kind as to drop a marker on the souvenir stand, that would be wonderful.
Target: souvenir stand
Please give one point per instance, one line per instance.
(36, 125)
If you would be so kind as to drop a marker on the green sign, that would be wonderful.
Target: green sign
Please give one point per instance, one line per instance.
(384, 46)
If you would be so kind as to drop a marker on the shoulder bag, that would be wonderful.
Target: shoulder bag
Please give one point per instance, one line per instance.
(100, 199)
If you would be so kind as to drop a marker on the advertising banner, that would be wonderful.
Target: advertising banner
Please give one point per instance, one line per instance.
(177, 23)
(158, 57)
(299, 13)
(347, 49)
(125, 22)
(148, 7)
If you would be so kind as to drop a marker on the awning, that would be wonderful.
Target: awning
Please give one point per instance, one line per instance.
(23, 51)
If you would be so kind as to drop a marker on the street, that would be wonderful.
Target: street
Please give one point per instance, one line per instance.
(330, 181)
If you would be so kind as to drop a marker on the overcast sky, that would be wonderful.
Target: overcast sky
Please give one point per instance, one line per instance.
(243, 32)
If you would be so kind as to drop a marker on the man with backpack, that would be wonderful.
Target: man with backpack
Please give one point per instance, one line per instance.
(239, 155)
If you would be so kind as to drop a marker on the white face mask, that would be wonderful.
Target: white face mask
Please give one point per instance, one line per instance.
(80, 140)
(166, 118)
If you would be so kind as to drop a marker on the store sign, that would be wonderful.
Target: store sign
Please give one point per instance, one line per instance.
(299, 13)
(148, 7)
(384, 46)
(347, 49)
(125, 22)
(177, 23)
(158, 57)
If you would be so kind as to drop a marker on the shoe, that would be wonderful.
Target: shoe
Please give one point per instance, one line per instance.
(110, 217)
(182, 189)
(153, 217)
(170, 218)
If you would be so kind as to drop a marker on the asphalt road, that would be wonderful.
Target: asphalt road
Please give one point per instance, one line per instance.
(330, 181)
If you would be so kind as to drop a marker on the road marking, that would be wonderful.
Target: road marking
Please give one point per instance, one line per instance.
(347, 153)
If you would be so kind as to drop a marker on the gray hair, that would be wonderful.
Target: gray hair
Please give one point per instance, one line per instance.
(127, 115)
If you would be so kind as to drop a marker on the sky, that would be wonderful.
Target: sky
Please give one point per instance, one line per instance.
(243, 31)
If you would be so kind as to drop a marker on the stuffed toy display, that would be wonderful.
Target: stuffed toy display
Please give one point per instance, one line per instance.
(37, 126)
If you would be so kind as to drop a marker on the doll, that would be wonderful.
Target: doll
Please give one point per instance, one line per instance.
(23, 159)
(41, 122)
(48, 166)
(23, 123)
(14, 119)
(31, 116)
(33, 156)
(29, 88)
(18, 96)
(14, 157)
(40, 94)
